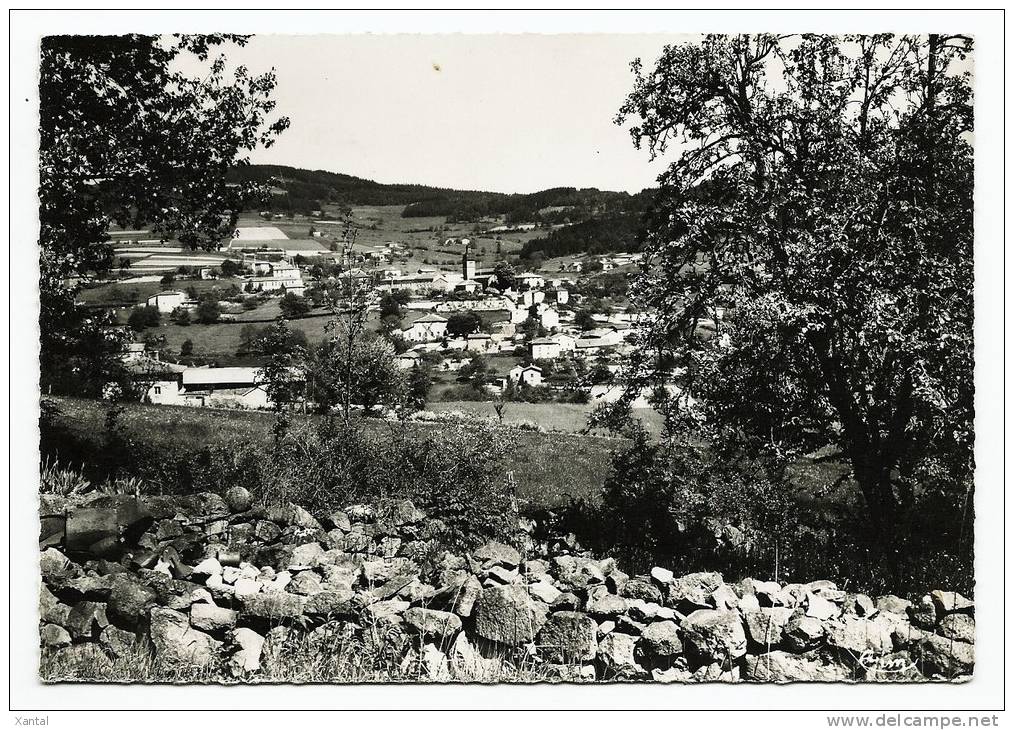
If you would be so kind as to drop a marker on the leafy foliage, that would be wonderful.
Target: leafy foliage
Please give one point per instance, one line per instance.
(823, 197)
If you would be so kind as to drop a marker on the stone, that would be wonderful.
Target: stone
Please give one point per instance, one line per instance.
(306, 556)
(231, 574)
(566, 602)
(386, 610)
(782, 666)
(803, 632)
(244, 587)
(418, 593)
(507, 615)
(605, 627)
(389, 546)
(428, 622)
(392, 586)
(332, 603)
(568, 637)
(893, 604)
(690, 592)
(950, 601)
(54, 637)
(766, 626)
(91, 587)
(643, 611)
(723, 598)
(339, 521)
(88, 526)
(177, 642)
(499, 575)
(53, 563)
(245, 659)
(607, 605)
(305, 583)
(714, 636)
(958, 626)
(117, 641)
(465, 595)
(238, 499)
(498, 553)
(863, 606)
(266, 530)
(361, 513)
(945, 657)
(662, 576)
(129, 601)
(820, 608)
(279, 582)
(716, 672)
(544, 591)
(89, 659)
(207, 617)
(627, 625)
(434, 664)
(661, 639)
(50, 608)
(641, 589)
(616, 654)
(273, 606)
(860, 635)
(86, 620)
(923, 613)
(207, 568)
(768, 592)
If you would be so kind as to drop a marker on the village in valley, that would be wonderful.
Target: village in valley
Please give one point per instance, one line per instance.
(457, 303)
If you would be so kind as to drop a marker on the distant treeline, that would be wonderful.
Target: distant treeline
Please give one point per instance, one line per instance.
(608, 234)
(308, 190)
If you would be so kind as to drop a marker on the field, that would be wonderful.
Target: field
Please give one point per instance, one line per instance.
(549, 468)
(556, 417)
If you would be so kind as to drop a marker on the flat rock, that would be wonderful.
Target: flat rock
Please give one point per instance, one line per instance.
(207, 617)
(662, 639)
(507, 615)
(568, 637)
(176, 641)
(498, 553)
(428, 622)
(715, 636)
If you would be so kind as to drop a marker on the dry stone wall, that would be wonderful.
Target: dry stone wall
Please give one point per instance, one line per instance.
(214, 582)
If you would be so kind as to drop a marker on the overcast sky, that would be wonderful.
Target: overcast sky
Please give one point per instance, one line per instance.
(511, 113)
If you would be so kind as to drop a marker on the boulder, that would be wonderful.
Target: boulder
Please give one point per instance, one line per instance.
(860, 635)
(507, 615)
(781, 667)
(468, 664)
(820, 608)
(950, 602)
(207, 617)
(428, 622)
(714, 636)
(305, 583)
(641, 589)
(568, 637)
(118, 642)
(54, 637)
(923, 613)
(544, 591)
(661, 639)
(273, 606)
(616, 655)
(53, 564)
(238, 499)
(690, 592)
(803, 632)
(766, 626)
(86, 620)
(129, 601)
(245, 658)
(606, 605)
(662, 576)
(497, 553)
(177, 642)
(306, 556)
(958, 626)
(50, 608)
(938, 655)
(333, 603)
(893, 604)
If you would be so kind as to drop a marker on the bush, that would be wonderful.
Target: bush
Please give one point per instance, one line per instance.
(180, 316)
(143, 317)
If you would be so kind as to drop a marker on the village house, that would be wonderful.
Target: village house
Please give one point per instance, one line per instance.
(167, 301)
(408, 360)
(428, 328)
(565, 341)
(544, 348)
(277, 276)
(529, 280)
(479, 342)
(526, 375)
(549, 318)
(233, 387)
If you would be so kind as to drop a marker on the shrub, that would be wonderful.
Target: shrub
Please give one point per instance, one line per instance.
(143, 317)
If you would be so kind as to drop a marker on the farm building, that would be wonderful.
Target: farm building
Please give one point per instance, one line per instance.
(167, 301)
(544, 348)
(526, 375)
(479, 342)
(234, 387)
(428, 328)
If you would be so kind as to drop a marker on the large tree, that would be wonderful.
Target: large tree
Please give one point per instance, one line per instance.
(128, 137)
(821, 197)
